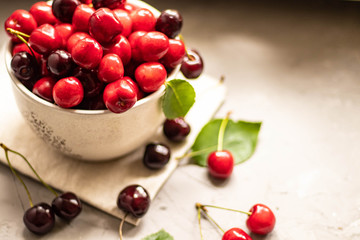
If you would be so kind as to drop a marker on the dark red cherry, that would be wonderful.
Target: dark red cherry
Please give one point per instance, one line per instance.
(142, 20)
(156, 155)
(135, 200)
(40, 218)
(44, 87)
(220, 164)
(169, 22)
(91, 84)
(64, 9)
(262, 219)
(119, 96)
(150, 76)
(68, 92)
(60, 63)
(42, 12)
(20, 20)
(112, 4)
(24, 66)
(192, 65)
(176, 130)
(45, 39)
(67, 206)
(236, 234)
(94, 103)
(22, 47)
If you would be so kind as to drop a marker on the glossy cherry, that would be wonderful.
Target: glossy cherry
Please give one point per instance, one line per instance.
(262, 219)
(139, 94)
(236, 234)
(125, 20)
(156, 155)
(104, 26)
(143, 20)
(81, 17)
(220, 164)
(121, 47)
(176, 130)
(134, 40)
(192, 65)
(112, 4)
(40, 218)
(134, 199)
(45, 39)
(153, 46)
(20, 20)
(24, 66)
(175, 54)
(67, 206)
(87, 53)
(42, 12)
(68, 92)
(110, 68)
(150, 76)
(60, 63)
(119, 96)
(169, 22)
(91, 84)
(65, 30)
(44, 87)
(64, 9)
(74, 38)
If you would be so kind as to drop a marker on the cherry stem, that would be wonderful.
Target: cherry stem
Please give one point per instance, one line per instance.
(191, 57)
(228, 209)
(31, 167)
(21, 35)
(222, 132)
(199, 220)
(121, 226)
(198, 205)
(16, 174)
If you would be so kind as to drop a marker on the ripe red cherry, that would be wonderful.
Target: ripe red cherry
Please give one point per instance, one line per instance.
(112, 4)
(150, 76)
(121, 47)
(80, 20)
(67, 206)
(44, 87)
(143, 20)
(139, 94)
(125, 19)
(87, 53)
(110, 68)
(262, 219)
(153, 46)
(64, 9)
(68, 92)
(220, 164)
(104, 26)
(74, 38)
(42, 13)
(119, 96)
(91, 84)
(45, 39)
(169, 22)
(135, 200)
(22, 21)
(65, 30)
(175, 54)
(39, 219)
(236, 234)
(192, 65)
(134, 40)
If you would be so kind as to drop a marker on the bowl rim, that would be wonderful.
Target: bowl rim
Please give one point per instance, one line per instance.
(36, 99)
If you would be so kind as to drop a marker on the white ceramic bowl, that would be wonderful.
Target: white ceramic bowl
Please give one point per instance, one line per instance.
(93, 135)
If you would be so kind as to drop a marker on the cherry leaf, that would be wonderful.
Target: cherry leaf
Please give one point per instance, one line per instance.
(240, 139)
(178, 98)
(160, 235)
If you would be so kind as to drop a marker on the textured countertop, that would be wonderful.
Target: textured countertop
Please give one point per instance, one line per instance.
(293, 66)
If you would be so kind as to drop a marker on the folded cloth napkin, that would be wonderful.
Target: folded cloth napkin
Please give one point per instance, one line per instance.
(99, 184)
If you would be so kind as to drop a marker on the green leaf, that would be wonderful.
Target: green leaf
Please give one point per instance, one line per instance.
(178, 98)
(240, 139)
(160, 235)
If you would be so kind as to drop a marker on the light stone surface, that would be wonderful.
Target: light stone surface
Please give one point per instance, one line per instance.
(296, 68)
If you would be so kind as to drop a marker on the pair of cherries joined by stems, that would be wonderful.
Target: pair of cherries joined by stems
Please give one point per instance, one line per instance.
(40, 218)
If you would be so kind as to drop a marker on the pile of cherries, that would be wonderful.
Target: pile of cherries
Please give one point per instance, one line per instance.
(97, 54)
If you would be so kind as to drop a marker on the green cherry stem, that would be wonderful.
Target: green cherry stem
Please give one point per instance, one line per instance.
(222, 132)
(6, 150)
(186, 51)
(21, 35)
(204, 210)
(31, 167)
(228, 209)
(198, 207)
(121, 226)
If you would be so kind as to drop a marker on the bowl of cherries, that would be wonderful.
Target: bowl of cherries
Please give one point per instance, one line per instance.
(88, 76)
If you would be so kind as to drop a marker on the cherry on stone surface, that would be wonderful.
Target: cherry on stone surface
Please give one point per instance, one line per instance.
(80, 20)
(20, 20)
(43, 88)
(111, 4)
(150, 76)
(169, 22)
(220, 164)
(176, 130)
(192, 65)
(110, 68)
(24, 66)
(236, 234)
(143, 20)
(67, 206)
(134, 199)
(68, 92)
(60, 63)
(262, 219)
(40, 218)
(64, 9)
(121, 47)
(42, 12)
(153, 46)
(119, 96)
(87, 53)
(156, 155)
(44, 39)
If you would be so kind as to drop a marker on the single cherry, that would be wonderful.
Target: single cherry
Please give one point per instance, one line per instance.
(68, 92)
(20, 20)
(40, 218)
(60, 63)
(119, 96)
(156, 155)
(125, 19)
(67, 206)
(110, 68)
(112, 4)
(44, 87)
(192, 65)
(176, 130)
(134, 199)
(150, 76)
(42, 12)
(169, 22)
(121, 47)
(220, 164)
(87, 53)
(64, 9)
(24, 66)
(175, 54)
(81, 17)
(153, 46)
(236, 234)
(91, 84)
(262, 219)
(142, 20)
(45, 39)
